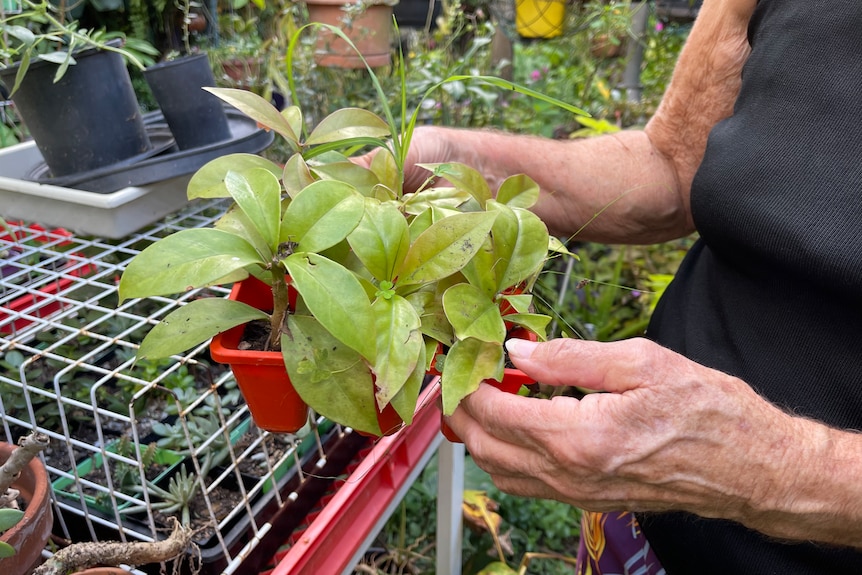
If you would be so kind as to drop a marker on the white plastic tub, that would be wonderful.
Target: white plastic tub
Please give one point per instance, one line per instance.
(114, 215)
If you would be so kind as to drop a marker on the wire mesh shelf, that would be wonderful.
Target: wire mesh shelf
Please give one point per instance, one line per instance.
(134, 442)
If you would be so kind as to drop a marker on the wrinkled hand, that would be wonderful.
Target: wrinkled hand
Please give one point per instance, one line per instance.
(669, 434)
(428, 146)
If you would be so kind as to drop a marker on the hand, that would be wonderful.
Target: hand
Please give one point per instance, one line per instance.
(669, 433)
(428, 146)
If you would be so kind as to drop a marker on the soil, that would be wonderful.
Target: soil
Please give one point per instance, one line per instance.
(255, 336)
(274, 445)
(223, 501)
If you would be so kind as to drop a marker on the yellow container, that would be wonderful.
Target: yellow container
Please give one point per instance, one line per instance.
(539, 18)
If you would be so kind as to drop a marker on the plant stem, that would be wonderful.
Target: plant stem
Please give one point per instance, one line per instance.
(28, 448)
(80, 556)
(279, 307)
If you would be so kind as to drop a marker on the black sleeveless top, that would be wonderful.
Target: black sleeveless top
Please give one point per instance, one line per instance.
(772, 292)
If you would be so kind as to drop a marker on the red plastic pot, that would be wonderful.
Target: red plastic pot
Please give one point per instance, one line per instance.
(262, 378)
(30, 535)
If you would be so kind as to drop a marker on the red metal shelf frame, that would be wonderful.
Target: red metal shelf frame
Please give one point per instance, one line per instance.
(330, 542)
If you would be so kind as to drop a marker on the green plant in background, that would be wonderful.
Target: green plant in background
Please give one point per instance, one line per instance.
(8, 519)
(175, 500)
(39, 32)
(197, 429)
(541, 532)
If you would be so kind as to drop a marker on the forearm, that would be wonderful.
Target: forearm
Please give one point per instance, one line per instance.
(614, 189)
(633, 186)
(815, 492)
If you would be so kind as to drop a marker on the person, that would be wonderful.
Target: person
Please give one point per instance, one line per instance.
(728, 431)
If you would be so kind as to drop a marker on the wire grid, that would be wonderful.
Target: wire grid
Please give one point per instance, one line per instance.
(67, 369)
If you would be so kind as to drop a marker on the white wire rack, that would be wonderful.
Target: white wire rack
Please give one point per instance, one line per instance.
(67, 369)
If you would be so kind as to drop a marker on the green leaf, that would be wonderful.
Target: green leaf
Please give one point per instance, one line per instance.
(468, 363)
(293, 116)
(557, 247)
(9, 518)
(296, 175)
(399, 346)
(518, 191)
(464, 178)
(361, 178)
(258, 194)
(193, 324)
(186, 260)
(22, 33)
(57, 58)
(439, 197)
(321, 215)
(430, 310)
(6, 550)
(421, 223)
(234, 221)
(381, 239)
(508, 85)
(404, 402)
(260, 110)
(336, 299)
(330, 377)
(480, 271)
(208, 181)
(386, 169)
(497, 568)
(520, 244)
(445, 247)
(348, 123)
(536, 323)
(519, 302)
(473, 314)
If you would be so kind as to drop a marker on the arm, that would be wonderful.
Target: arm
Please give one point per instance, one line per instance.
(669, 435)
(643, 177)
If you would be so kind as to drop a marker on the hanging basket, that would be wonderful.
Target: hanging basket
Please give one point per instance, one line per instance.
(540, 18)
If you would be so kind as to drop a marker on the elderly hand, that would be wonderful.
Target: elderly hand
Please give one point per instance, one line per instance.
(429, 145)
(669, 434)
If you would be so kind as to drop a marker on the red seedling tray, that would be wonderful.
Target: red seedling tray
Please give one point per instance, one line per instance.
(41, 302)
(348, 516)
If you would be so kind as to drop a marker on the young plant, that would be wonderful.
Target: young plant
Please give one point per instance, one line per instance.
(8, 519)
(383, 279)
(39, 31)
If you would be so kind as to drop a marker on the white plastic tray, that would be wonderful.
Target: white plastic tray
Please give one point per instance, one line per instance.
(114, 215)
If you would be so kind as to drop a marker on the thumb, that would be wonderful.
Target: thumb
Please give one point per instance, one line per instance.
(615, 367)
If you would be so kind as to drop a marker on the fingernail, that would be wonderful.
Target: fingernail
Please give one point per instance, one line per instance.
(520, 348)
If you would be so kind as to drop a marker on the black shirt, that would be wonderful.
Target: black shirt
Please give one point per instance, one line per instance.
(772, 292)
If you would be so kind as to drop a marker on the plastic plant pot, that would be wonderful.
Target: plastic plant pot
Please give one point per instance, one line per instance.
(261, 375)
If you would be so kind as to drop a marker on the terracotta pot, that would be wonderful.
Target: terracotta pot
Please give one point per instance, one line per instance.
(371, 32)
(262, 378)
(30, 535)
(604, 47)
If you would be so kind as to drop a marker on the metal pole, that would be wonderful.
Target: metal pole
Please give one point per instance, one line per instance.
(450, 493)
(635, 51)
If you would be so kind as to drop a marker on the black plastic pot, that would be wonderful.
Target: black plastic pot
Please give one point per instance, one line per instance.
(196, 118)
(678, 10)
(414, 13)
(89, 119)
